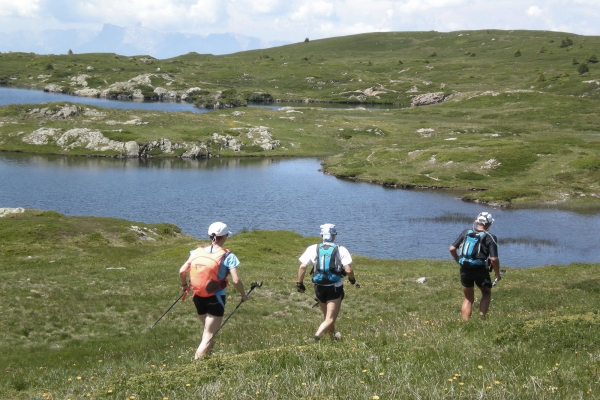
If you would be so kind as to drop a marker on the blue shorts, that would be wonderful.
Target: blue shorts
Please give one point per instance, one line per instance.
(213, 305)
(328, 293)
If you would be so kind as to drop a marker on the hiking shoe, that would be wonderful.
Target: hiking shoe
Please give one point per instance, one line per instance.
(314, 339)
(337, 336)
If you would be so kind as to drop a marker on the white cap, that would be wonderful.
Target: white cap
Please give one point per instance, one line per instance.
(485, 218)
(327, 231)
(218, 229)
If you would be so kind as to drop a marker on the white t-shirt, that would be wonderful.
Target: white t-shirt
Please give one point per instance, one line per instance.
(309, 257)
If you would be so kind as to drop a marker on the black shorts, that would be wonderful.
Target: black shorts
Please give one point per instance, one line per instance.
(210, 305)
(479, 276)
(328, 293)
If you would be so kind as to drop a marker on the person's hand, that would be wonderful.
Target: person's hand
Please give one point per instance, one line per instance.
(300, 287)
(244, 297)
(186, 287)
(498, 277)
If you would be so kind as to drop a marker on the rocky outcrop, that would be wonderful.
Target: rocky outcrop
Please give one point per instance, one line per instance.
(53, 88)
(67, 111)
(188, 95)
(80, 80)
(95, 141)
(165, 95)
(427, 99)
(227, 142)
(81, 137)
(87, 92)
(262, 137)
(7, 211)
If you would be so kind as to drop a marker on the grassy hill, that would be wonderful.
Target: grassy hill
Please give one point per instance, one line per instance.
(519, 124)
(79, 295)
(337, 69)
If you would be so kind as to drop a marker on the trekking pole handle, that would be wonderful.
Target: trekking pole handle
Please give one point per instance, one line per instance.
(502, 271)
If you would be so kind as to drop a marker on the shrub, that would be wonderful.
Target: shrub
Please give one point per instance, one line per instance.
(49, 67)
(591, 58)
(542, 50)
(583, 68)
(260, 97)
(566, 42)
(574, 61)
(306, 40)
(540, 78)
(434, 54)
(517, 53)
(70, 52)
(148, 92)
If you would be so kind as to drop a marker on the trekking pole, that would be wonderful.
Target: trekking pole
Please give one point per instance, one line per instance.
(252, 286)
(502, 271)
(182, 297)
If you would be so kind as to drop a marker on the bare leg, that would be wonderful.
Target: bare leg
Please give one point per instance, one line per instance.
(211, 326)
(467, 305)
(486, 298)
(330, 310)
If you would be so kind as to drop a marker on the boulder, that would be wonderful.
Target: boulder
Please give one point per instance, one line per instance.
(53, 88)
(87, 92)
(427, 99)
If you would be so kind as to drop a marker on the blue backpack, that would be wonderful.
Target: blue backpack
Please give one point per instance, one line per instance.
(470, 248)
(329, 268)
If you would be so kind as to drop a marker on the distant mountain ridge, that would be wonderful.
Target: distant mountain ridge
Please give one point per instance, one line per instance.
(130, 41)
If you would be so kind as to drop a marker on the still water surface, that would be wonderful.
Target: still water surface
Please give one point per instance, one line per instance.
(288, 194)
(9, 95)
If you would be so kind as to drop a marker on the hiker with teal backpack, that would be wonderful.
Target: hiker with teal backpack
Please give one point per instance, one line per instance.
(208, 268)
(330, 264)
(474, 250)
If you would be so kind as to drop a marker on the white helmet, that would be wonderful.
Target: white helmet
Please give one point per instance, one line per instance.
(485, 218)
(218, 229)
(328, 231)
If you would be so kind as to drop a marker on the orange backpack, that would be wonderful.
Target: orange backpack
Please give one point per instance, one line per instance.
(204, 272)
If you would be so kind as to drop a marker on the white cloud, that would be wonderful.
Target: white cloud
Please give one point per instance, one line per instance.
(293, 20)
(19, 8)
(310, 10)
(534, 11)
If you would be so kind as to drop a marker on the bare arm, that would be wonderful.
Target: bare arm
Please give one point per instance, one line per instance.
(301, 273)
(495, 261)
(237, 282)
(454, 253)
(183, 271)
(349, 271)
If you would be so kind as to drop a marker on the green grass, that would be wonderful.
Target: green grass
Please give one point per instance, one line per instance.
(79, 295)
(503, 137)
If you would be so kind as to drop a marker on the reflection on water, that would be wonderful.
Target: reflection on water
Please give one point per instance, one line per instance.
(287, 194)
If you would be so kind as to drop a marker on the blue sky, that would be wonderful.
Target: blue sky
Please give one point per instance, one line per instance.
(294, 20)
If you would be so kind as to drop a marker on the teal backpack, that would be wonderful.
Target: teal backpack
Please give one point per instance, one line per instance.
(469, 249)
(329, 268)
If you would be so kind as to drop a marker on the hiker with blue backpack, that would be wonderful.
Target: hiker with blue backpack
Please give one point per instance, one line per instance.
(330, 264)
(208, 268)
(476, 251)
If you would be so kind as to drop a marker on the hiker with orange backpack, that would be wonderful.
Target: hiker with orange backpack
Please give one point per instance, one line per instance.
(208, 268)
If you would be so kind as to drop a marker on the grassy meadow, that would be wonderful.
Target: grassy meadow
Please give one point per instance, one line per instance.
(79, 295)
(519, 126)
